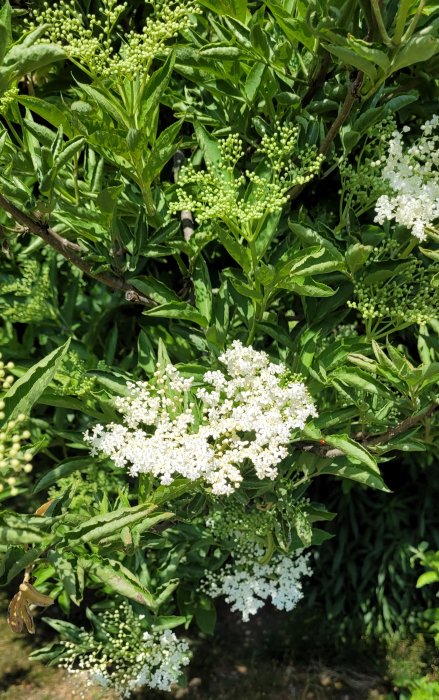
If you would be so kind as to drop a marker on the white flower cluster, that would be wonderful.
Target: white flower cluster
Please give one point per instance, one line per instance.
(247, 584)
(243, 416)
(413, 176)
(128, 660)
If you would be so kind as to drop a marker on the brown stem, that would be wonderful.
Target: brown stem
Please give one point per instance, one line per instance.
(318, 80)
(403, 427)
(335, 126)
(70, 250)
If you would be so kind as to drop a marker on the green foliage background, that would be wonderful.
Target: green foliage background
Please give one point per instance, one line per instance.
(99, 277)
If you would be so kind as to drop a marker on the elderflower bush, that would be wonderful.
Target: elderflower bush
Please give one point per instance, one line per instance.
(202, 314)
(244, 415)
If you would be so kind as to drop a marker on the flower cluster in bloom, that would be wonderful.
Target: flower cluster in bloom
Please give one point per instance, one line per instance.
(218, 193)
(92, 45)
(412, 175)
(126, 657)
(244, 415)
(410, 295)
(247, 584)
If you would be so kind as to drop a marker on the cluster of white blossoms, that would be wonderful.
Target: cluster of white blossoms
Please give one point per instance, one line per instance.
(413, 177)
(127, 660)
(247, 584)
(243, 416)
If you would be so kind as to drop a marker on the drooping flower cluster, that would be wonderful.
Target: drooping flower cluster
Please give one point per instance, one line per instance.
(125, 657)
(247, 584)
(219, 193)
(412, 174)
(243, 416)
(89, 39)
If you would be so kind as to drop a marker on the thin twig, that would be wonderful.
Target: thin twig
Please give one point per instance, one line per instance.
(69, 250)
(402, 427)
(405, 425)
(336, 125)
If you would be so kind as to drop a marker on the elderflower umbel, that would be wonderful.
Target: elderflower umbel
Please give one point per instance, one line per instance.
(244, 415)
(125, 657)
(219, 193)
(247, 584)
(91, 43)
(412, 175)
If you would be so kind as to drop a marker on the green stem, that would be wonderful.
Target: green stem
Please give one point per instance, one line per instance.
(257, 309)
(414, 23)
(380, 23)
(401, 17)
(148, 200)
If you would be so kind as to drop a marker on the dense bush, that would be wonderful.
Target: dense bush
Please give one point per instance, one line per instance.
(219, 291)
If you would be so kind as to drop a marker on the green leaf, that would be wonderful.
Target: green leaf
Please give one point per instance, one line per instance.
(312, 238)
(427, 578)
(22, 60)
(101, 526)
(180, 310)
(232, 8)
(253, 80)
(207, 144)
(107, 103)
(353, 450)
(113, 574)
(359, 379)
(356, 256)
(351, 58)
(417, 49)
(155, 87)
(5, 22)
(59, 472)
(306, 287)
(153, 288)
(48, 111)
(4, 40)
(356, 473)
(237, 251)
(202, 288)
(205, 614)
(26, 391)
(222, 52)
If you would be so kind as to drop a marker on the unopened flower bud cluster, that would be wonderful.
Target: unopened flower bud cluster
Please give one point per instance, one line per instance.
(30, 293)
(411, 174)
(243, 417)
(247, 584)
(92, 44)
(219, 193)
(126, 657)
(409, 296)
(361, 181)
(7, 99)
(15, 458)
